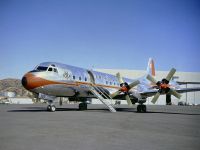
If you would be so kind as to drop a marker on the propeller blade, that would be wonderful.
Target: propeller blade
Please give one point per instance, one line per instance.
(170, 74)
(155, 98)
(128, 100)
(176, 94)
(119, 78)
(150, 78)
(134, 83)
(114, 94)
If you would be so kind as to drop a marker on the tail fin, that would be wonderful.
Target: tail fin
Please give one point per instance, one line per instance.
(151, 67)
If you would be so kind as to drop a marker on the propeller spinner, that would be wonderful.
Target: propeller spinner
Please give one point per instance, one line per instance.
(163, 86)
(125, 87)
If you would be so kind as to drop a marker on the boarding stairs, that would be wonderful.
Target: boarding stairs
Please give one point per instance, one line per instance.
(99, 94)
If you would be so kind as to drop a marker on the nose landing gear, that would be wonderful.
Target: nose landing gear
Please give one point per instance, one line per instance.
(51, 107)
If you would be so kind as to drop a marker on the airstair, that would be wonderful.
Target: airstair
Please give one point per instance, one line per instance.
(100, 94)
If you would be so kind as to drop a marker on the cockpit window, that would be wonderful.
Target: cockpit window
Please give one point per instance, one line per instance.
(55, 70)
(41, 68)
(50, 69)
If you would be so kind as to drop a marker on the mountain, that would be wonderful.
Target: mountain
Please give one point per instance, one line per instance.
(14, 85)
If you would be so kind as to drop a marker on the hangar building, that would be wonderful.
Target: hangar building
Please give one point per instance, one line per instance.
(190, 97)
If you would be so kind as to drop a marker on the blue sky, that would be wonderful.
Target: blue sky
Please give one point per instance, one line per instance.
(119, 34)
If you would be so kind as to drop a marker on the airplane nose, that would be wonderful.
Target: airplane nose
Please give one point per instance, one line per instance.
(28, 81)
(24, 81)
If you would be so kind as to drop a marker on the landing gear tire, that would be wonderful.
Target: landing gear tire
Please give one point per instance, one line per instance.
(82, 106)
(48, 107)
(51, 108)
(141, 108)
(144, 108)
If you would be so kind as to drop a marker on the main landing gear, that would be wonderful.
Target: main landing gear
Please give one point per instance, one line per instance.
(141, 108)
(83, 106)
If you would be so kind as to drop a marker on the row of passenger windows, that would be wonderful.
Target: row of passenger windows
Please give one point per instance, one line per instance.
(85, 79)
(74, 78)
(107, 82)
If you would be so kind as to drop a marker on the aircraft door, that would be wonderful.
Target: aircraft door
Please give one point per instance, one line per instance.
(92, 80)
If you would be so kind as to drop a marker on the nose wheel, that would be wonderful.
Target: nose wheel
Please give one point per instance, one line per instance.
(51, 108)
(141, 108)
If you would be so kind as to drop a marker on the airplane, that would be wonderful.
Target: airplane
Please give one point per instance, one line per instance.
(50, 80)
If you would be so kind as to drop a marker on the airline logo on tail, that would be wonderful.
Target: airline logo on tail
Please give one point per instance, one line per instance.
(151, 67)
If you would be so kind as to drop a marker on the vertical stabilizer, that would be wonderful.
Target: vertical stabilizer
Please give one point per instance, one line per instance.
(151, 67)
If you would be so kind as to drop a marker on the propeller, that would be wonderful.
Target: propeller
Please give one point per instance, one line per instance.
(125, 87)
(163, 86)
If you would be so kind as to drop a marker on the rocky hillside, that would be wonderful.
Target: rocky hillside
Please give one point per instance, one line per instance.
(13, 85)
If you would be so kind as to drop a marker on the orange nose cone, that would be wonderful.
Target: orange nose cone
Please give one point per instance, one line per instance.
(28, 81)
(124, 89)
(164, 86)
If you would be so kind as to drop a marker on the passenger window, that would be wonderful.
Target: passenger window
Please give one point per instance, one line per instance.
(74, 77)
(85, 79)
(80, 78)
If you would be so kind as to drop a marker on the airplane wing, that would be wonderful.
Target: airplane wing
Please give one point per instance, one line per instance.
(182, 82)
(148, 93)
(182, 90)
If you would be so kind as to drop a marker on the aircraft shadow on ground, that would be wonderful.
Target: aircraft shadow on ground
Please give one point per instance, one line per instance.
(43, 109)
(173, 113)
(131, 110)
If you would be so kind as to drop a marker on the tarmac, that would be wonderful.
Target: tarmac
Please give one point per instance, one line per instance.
(31, 127)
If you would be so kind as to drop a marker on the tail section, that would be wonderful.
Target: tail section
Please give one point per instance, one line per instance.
(151, 67)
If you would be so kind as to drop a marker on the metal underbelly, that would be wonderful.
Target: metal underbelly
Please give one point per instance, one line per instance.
(62, 90)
